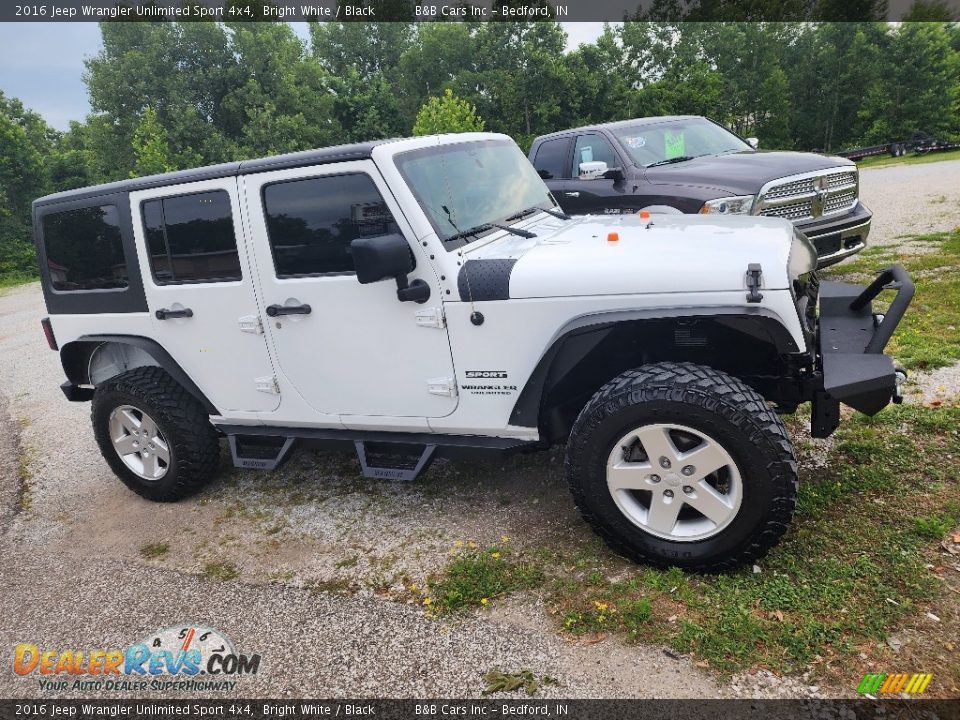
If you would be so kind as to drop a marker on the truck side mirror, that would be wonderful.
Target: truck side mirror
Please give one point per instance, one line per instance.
(592, 170)
(753, 142)
(384, 257)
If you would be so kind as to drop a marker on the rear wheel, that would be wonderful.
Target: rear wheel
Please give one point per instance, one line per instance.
(154, 434)
(679, 464)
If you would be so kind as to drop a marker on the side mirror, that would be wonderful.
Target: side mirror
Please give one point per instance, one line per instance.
(615, 174)
(592, 170)
(384, 257)
(753, 142)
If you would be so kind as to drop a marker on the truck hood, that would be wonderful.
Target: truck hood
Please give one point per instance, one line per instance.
(671, 254)
(742, 173)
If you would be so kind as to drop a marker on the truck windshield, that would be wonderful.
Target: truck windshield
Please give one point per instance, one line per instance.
(465, 188)
(677, 140)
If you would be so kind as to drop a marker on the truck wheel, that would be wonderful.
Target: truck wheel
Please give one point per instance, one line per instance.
(680, 464)
(154, 434)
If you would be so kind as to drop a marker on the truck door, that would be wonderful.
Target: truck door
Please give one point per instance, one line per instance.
(200, 292)
(584, 194)
(348, 349)
(552, 162)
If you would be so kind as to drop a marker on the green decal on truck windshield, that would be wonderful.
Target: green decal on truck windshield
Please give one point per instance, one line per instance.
(673, 144)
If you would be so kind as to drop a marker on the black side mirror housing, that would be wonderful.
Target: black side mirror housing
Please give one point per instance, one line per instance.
(380, 258)
(616, 174)
(388, 256)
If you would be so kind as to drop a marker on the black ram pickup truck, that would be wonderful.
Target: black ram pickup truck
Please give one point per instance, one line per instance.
(690, 164)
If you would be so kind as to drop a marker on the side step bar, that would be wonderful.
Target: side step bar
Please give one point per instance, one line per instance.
(264, 459)
(383, 455)
(406, 474)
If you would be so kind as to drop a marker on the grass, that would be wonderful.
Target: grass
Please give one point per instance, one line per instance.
(499, 681)
(152, 551)
(222, 571)
(852, 570)
(929, 335)
(475, 577)
(11, 280)
(911, 159)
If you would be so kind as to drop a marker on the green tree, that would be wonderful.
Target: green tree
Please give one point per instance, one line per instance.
(438, 53)
(281, 99)
(25, 141)
(447, 114)
(920, 91)
(151, 150)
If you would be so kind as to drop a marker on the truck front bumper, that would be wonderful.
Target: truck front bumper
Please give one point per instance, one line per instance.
(839, 238)
(851, 340)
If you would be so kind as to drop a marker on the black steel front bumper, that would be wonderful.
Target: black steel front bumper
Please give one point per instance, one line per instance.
(838, 237)
(851, 340)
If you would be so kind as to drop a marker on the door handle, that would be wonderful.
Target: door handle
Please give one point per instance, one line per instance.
(572, 194)
(166, 314)
(276, 310)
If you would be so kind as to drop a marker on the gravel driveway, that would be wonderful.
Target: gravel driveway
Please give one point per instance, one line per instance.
(911, 199)
(324, 557)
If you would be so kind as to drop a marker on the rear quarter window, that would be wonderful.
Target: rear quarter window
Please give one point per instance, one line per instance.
(84, 249)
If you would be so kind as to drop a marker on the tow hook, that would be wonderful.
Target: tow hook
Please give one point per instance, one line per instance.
(900, 376)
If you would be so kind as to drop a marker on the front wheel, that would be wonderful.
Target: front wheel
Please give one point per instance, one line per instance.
(680, 464)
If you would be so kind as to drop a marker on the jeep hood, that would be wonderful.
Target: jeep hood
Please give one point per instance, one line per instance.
(742, 173)
(671, 254)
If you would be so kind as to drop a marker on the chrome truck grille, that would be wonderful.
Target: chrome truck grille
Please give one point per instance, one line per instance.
(809, 196)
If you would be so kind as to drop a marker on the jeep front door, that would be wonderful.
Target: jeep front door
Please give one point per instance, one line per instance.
(348, 349)
(200, 291)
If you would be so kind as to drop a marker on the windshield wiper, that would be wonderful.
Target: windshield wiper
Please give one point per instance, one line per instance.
(469, 232)
(477, 229)
(523, 213)
(487, 226)
(514, 231)
(556, 212)
(671, 161)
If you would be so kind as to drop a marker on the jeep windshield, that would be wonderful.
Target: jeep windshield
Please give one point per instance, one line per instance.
(663, 143)
(467, 189)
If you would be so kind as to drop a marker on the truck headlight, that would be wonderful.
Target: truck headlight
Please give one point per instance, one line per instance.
(737, 205)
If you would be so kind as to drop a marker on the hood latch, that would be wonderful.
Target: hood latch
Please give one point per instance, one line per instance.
(754, 281)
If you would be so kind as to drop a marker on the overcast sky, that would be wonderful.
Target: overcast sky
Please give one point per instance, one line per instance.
(42, 64)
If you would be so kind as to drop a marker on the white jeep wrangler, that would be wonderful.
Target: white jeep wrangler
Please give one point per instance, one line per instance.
(410, 298)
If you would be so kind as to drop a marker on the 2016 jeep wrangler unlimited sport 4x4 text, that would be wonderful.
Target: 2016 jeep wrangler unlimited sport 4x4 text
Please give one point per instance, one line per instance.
(426, 296)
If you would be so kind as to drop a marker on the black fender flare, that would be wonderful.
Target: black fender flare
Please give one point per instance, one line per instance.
(581, 335)
(73, 357)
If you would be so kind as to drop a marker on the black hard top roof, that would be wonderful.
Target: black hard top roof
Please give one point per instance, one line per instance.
(336, 153)
(618, 124)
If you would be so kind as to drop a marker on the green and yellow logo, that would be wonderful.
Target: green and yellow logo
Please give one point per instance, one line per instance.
(892, 683)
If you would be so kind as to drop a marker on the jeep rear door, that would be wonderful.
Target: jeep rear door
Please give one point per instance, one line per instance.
(200, 293)
(349, 349)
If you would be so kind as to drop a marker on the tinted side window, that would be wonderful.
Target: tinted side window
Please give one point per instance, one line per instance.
(191, 239)
(84, 250)
(593, 148)
(312, 222)
(551, 158)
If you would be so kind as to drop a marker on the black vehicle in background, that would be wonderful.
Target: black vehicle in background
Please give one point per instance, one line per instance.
(690, 164)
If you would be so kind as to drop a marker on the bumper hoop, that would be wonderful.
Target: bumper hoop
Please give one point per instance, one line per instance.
(851, 341)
